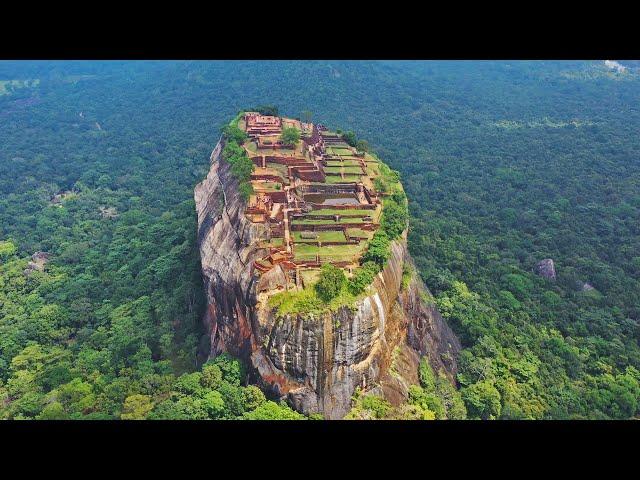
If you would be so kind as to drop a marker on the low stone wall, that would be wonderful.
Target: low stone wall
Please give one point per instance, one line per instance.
(288, 161)
(277, 197)
(268, 178)
(313, 217)
(308, 175)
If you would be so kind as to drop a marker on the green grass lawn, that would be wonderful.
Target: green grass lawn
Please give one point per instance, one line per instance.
(346, 179)
(310, 276)
(281, 169)
(275, 242)
(311, 221)
(332, 236)
(340, 151)
(357, 232)
(353, 170)
(306, 221)
(372, 171)
(343, 163)
(267, 186)
(335, 253)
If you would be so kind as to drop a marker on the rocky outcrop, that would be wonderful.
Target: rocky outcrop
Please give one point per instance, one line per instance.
(586, 287)
(37, 263)
(546, 268)
(315, 362)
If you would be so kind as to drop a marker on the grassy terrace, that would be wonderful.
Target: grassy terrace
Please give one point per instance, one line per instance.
(333, 236)
(344, 163)
(339, 151)
(266, 186)
(345, 170)
(372, 171)
(307, 221)
(333, 253)
(274, 242)
(311, 221)
(251, 146)
(358, 232)
(281, 169)
(346, 179)
(310, 276)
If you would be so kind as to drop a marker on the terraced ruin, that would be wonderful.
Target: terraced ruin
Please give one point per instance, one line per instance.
(316, 196)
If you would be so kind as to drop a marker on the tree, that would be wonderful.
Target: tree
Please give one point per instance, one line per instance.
(428, 401)
(363, 277)
(252, 397)
(362, 146)
(234, 133)
(76, 396)
(168, 410)
(232, 369)
(213, 403)
(189, 384)
(394, 218)
(7, 249)
(332, 280)
(482, 400)
(270, 110)
(136, 407)
(233, 398)
(368, 407)
(350, 138)
(378, 250)
(53, 411)
(272, 411)
(409, 411)
(211, 376)
(290, 135)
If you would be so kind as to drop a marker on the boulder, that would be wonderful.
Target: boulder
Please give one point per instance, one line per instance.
(546, 268)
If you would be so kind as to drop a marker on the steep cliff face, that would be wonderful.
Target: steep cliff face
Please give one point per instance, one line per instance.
(314, 361)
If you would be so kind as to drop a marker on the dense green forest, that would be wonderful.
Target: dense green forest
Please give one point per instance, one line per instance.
(503, 163)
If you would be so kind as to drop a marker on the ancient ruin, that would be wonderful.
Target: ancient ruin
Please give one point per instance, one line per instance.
(317, 198)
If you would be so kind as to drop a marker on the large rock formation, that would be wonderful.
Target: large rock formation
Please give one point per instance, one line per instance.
(546, 268)
(314, 361)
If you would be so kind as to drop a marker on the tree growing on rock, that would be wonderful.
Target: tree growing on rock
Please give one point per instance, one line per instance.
(332, 279)
(290, 135)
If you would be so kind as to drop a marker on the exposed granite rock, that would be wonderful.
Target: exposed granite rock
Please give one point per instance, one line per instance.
(37, 263)
(586, 287)
(314, 361)
(546, 268)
